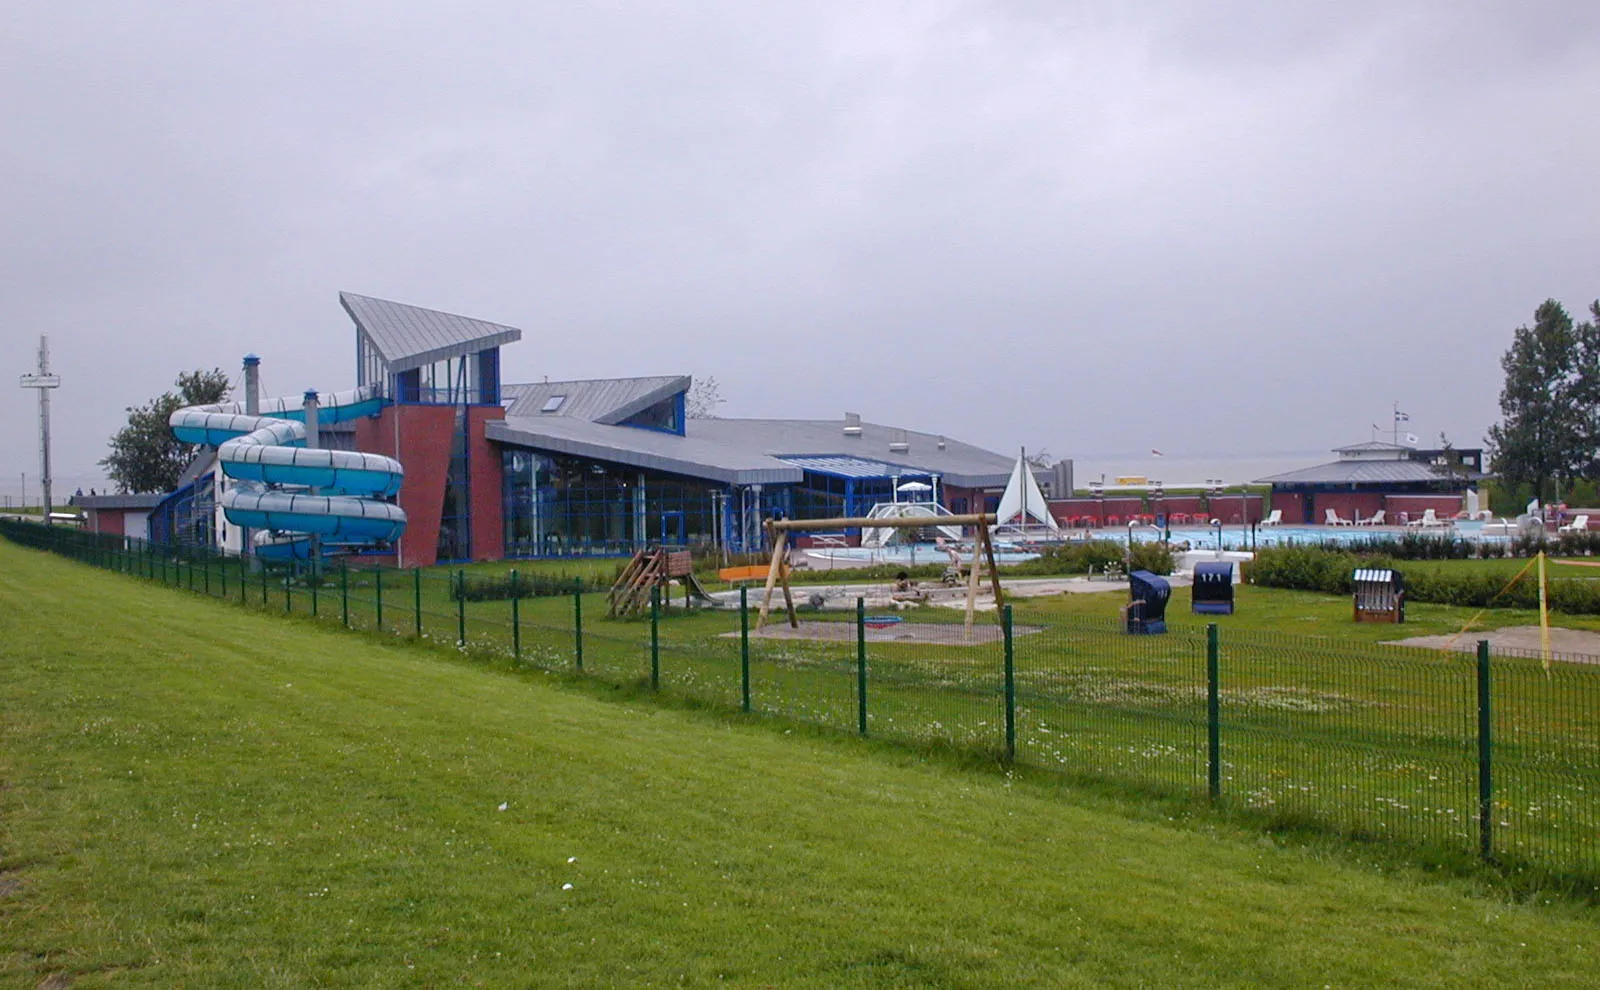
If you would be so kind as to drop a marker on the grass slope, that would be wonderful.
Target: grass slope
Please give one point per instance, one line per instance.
(196, 795)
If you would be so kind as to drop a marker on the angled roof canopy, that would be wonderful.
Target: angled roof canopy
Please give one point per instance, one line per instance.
(411, 337)
(601, 400)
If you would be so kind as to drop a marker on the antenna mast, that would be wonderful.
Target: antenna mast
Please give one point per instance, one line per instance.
(44, 381)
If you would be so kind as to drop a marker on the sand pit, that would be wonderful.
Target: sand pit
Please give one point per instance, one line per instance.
(1573, 645)
(902, 632)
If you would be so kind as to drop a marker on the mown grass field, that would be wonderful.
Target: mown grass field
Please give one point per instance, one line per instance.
(200, 795)
(1333, 732)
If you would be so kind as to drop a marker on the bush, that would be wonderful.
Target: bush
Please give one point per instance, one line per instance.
(492, 589)
(1153, 557)
(1329, 571)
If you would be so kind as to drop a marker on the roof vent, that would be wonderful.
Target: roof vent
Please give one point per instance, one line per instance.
(941, 443)
(852, 424)
(898, 444)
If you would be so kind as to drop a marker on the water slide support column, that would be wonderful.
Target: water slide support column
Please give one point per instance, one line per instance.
(252, 407)
(313, 441)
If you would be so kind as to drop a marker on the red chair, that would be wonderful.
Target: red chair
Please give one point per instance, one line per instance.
(1179, 518)
(1113, 520)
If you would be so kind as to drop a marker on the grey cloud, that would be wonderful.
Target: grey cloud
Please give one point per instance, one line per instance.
(1286, 214)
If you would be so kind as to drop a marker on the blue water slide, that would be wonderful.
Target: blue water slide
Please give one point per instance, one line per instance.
(267, 456)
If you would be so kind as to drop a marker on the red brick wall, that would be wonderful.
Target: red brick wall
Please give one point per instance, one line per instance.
(424, 435)
(1233, 510)
(106, 521)
(1293, 506)
(488, 488)
(1414, 506)
(1349, 505)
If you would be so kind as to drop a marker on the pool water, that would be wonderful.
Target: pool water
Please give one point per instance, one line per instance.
(1238, 537)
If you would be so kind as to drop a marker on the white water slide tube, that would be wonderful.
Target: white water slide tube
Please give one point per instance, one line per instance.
(267, 454)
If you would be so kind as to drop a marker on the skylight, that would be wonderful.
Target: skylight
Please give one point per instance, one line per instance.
(552, 404)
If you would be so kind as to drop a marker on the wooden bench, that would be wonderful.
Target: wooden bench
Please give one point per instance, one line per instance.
(755, 572)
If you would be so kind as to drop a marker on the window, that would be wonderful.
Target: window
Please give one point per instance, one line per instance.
(552, 404)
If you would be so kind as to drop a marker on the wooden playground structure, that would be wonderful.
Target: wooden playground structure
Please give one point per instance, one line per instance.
(652, 568)
(778, 531)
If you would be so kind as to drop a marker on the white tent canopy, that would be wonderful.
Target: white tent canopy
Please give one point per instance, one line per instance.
(1023, 502)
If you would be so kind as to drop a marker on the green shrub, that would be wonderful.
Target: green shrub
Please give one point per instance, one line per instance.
(1153, 557)
(1329, 571)
(502, 588)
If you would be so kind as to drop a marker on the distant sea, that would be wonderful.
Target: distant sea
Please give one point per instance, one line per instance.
(1185, 470)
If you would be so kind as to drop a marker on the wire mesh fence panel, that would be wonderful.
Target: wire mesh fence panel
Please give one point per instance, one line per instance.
(440, 616)
(615, 649)
(1372, 740)
(699, 654)
(807, 674)
(936, 682)
(1095, 701)
(545, 632)
(1545, 762)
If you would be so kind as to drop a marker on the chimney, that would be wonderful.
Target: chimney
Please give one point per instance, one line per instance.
(852, 424)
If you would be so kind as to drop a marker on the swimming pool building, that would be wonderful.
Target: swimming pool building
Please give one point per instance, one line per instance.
(602, 466)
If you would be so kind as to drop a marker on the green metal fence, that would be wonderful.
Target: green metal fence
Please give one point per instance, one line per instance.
(1497, 757)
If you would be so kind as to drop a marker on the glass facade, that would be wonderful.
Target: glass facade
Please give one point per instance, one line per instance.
(455, 526)
(557, 505)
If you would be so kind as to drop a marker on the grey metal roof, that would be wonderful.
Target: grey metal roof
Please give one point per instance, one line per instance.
(755, 451)
(1365, 473)
(1370, 445)
(600, 400)
(847, 467)
(957, 463)
(411, 337)
(731, 464)
(104, 502)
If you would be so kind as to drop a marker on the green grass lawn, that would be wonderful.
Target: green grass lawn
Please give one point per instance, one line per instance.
(199, 795)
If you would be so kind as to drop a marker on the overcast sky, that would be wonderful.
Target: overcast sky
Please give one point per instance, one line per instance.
(1208, 228)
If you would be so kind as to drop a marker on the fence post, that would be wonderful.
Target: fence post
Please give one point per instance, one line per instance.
(244, 578)
(264, 584)
(288, 592)
(377, 579)
(861, 665)
(461, 607)
(1213, 714)
(314, 581)
(1011, 686)
(344, 593)
(416, 597)
(205, 555)
(516, 620)
(744, 648)
(222, 573)
(1485, 751)
(577, 624)
(655, 638)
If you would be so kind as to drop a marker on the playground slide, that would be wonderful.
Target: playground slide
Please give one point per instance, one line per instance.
(267, 456)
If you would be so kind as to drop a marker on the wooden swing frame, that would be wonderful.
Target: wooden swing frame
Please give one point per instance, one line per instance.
(778, 531)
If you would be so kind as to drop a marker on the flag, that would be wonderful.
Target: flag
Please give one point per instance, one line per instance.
(1400, 417)
(1156, 453)
(1375, 426)
(1411, 438)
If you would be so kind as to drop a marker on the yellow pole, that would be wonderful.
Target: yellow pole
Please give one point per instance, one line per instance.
(1544, 618)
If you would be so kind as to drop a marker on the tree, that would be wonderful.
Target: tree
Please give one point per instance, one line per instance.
(1548, 402)
(1041, 459)
(703, 398)
(145, 456)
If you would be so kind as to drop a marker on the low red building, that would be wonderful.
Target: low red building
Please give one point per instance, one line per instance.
(1368, 478)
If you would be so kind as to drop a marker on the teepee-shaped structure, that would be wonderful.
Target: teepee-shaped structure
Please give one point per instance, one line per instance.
(1023, 503)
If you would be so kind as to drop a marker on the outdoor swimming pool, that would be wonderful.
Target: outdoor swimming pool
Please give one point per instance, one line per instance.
(1239, 537)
